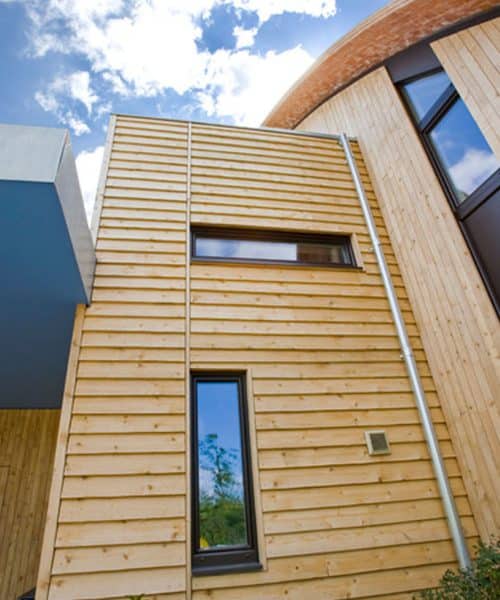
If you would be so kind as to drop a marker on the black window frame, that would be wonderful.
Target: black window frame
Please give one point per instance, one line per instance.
(481, 194)
(234, 560)
(269, 235)
(424, 127)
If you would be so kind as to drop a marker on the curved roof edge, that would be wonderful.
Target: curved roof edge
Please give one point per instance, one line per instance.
(390, 30)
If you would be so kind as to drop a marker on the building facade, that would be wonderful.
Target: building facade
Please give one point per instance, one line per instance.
(444, 237)
(314, 343)
(238, 419)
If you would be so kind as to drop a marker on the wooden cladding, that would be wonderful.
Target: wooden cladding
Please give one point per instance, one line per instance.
(322, 360)
(457, 321)
(470, 57)
(27, 443)
(121, 524)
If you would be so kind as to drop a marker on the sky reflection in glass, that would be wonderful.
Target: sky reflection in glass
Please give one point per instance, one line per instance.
(463, 151)
(289, 251)
(423, 92)
(246, 249)
(221, 491)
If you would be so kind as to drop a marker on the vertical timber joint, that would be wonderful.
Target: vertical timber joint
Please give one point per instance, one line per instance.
(188, 165)
(187, 358)
(441, 475)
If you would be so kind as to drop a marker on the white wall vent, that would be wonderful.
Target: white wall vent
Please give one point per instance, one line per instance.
(377, 442)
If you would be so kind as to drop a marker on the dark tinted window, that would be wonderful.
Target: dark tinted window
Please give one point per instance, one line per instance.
(223, 518)
(462, 150)
(465, 164)
(288, 247)
(422, 93)
(459, 148)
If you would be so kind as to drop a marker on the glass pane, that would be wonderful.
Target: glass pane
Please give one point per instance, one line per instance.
(322, 253)
(246, 249)
(423, 92)
(463, 151)
(221, 491)
(306, 252)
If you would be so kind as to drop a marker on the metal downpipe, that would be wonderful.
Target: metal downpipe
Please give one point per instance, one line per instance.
(411, 366)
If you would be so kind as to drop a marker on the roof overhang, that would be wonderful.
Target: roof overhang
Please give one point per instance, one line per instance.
(390, 30)
(47, 264)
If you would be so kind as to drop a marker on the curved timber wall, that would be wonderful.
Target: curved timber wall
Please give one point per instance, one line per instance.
(458, 324)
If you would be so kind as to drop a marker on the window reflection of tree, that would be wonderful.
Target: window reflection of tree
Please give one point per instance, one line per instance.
(222, 512)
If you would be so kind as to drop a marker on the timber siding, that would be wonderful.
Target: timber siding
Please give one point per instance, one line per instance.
(121, 524)
(27, 443)
(324, 362)
(471, 58)
(457, 321)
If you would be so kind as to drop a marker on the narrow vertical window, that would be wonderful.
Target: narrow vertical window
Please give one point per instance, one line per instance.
(224, 535)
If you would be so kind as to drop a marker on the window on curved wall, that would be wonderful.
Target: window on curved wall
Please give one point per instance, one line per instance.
(465, 164)
(463, 154)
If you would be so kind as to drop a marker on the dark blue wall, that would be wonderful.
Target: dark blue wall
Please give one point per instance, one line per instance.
(40, 286)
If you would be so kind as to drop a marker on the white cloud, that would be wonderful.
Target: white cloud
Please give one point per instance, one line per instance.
(152, 49)
(88, 165)
(104, 109)
(56, 23)
(78, 126)
(144, 47)
(117, 84)
(246, 86)
(89, 9)
(268, 8)
(73, 87)
(78, 87)
(473, 168)
(244, 37)
(47, 101)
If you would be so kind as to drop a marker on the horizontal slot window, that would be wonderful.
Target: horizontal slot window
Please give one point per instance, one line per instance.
(239, 245)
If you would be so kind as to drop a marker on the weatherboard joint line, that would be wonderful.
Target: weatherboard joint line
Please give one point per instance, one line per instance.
(187, 360)
(263, 129)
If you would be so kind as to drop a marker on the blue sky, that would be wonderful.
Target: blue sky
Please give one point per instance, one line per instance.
(69, 63)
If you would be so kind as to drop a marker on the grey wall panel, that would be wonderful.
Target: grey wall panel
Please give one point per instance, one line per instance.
(30, 153)
(71, 200)
(47, 263)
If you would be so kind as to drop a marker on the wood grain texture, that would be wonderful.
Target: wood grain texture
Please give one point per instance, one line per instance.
(459, 328)
(315, 342)
(471, 58)
(322, 359)
(51, 521)
(122, 516)
(27, 443)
